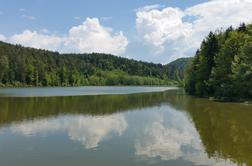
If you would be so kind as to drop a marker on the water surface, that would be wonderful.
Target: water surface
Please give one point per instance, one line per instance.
(78, 91)
(156, 128)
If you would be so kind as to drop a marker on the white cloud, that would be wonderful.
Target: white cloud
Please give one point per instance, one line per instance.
(91, 36)
(88, 37)
(160, 26)
(175, 32)
(165, 33)
(220, 13)
(87, 130)
(36, 40)
(2, 37)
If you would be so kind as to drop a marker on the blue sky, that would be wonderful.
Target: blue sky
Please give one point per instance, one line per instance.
(154, 30)
(58, 15)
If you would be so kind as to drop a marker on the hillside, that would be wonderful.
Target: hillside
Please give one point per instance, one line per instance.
(176, 69)
(222, 67)
(22, 66)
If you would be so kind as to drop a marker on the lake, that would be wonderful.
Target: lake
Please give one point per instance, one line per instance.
(123, 126)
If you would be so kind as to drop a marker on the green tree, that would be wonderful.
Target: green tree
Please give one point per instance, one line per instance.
(4, 66)
(30, 74)
(221, 78)
(222, 65)
(242, 71)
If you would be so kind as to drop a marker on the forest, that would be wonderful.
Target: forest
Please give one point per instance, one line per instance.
(222, 66)
(23, 66)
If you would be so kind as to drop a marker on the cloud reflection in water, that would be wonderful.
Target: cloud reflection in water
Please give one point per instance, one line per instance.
(170, 135)
(88, 130)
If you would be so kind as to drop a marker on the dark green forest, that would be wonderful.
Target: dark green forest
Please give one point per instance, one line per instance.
(222, 67)
(23, 66)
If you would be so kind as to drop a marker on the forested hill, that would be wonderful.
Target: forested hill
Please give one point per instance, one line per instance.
(22, 66)
(176, 69)
(222, 67)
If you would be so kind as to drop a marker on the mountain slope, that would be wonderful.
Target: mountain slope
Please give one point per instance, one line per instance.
(23, 66)
(176, 69)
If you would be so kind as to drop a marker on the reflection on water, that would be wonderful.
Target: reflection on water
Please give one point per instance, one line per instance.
(19, 109)
(162, 128)
(88, 130)
(224, 128)
(168, 135)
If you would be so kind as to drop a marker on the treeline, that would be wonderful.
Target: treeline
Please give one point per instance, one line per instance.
(222, 67)
(22, 66)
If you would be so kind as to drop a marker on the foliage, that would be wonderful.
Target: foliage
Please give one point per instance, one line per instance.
(22, 66)
(222, 65)
(176, 69)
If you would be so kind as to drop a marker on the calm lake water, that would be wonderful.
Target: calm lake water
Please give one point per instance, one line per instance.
(78, 91)
(165, 127)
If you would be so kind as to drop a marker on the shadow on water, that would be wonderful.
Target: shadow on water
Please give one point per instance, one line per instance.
(225, 129)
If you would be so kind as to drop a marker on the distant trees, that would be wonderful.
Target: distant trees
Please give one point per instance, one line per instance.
(176, 69)
(21, 66)
(222, 65)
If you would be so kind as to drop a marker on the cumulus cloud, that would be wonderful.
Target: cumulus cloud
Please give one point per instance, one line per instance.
(2, 37)
(164, 33)
(179, 32)
(88, 37)
(92, 37)
(87, 130)
(37, 40)
(160, 26)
